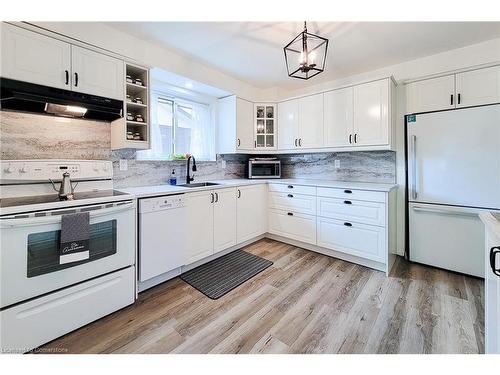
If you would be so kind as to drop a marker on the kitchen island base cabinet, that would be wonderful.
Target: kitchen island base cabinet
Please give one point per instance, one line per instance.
(251, 212)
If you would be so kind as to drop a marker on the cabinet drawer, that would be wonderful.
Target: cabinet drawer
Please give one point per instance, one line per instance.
(299, 203)
(300, 227)
(296, 189)
(365, 241)
(351, 210)
(363, 195)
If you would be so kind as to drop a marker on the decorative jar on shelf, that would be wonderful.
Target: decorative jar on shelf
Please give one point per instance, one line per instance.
(129, 79)
(138, 81)
(139, 118)
(130, 116)
(137, 137)
(130, 136)
(138, 100)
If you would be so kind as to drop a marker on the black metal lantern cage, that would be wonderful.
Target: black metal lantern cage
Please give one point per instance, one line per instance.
(303, 49)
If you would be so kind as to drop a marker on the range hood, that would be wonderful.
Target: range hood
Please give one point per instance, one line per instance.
(33, 98)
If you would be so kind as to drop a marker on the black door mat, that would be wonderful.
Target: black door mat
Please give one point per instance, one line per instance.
(221, 275)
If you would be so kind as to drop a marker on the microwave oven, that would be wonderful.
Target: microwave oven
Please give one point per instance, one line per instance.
(264, 168)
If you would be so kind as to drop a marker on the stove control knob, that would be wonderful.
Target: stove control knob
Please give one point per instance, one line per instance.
(8, 169)
(23, 169)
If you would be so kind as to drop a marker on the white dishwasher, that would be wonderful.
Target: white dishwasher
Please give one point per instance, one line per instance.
(162, 238)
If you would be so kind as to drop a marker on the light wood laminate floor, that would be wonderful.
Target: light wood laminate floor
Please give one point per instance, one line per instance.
(304, 303)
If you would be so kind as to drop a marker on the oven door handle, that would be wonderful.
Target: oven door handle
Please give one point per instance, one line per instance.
(11, 222)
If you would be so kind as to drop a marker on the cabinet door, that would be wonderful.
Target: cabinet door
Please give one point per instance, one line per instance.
(365, 241)
(492, 297)
(97, 74)
(339, 117)
(35, 58)
(251, 212)
(293, 225)
(244, 125)
(200, 224)
(371, 117)
(288, 123)
(311, 121)
(224, 219)
(478, 87)
(434, 94)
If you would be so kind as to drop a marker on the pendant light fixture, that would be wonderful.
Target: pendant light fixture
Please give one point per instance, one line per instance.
(305, 55)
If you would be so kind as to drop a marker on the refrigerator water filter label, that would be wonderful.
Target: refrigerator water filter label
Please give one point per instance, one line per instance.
(412, 118)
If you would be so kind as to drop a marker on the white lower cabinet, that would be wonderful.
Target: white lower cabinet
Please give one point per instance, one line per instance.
(351, 210)
(297, 226)
(200, 225)
(365, 241)
(305, 204)
(224, 215)
(251, 212)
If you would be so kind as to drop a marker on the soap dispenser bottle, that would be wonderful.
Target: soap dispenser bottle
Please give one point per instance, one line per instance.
(173, 179)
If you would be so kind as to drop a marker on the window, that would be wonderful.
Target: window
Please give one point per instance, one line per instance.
(179, 126)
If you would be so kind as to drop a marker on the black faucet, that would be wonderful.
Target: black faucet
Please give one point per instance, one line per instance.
(188, 177)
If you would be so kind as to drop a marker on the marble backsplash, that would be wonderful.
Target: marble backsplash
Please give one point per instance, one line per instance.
(31, 136)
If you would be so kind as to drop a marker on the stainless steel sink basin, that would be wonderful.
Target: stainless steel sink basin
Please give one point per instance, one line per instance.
(199, 184)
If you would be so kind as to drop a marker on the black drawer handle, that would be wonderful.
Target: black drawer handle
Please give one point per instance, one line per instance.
(348, 224)
(67, 77)
(76, 79)
(290, 213)
(493, 255)
(347, 202)
(290, 186)
(290, 195)
(348, 191)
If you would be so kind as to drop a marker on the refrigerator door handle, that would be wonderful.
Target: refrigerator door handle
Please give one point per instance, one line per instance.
(445, 212)
(414, 192)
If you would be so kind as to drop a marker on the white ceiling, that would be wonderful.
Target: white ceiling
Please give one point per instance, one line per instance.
(253, 51)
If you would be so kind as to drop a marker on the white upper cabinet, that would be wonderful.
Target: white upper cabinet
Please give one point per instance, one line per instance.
(288, 122)
(434, 94)
(234, 125)
(338, 117)
(35, 58)
(467, 89)
(311, 121)
(244, 124)
(97, 74)
(265, 126)
(371, 113)
(478, 87)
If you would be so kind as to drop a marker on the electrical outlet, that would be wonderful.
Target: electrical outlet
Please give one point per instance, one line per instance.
(223, 164)
(337, 163)
(123, 164)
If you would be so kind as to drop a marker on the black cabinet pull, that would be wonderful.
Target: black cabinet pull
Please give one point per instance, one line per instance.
(255, 144)
(347, 202)
(348, 224)
(67, 77)
(239, 193)
(213, 198)
(493, 255)
(76, 79)
(290, 214)
(290, 186)
(295, 142)
(290, 195)
(348, 191)
(458, 98)
(350, 138)
(216, 197)
(239, 142)
(451, 99)
(300, 142)
(356, 138)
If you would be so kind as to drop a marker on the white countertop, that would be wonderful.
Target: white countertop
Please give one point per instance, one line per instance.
(492, 221)
(151, 191)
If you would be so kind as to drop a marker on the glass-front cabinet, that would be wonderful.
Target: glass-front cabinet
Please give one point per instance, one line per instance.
(265, 126)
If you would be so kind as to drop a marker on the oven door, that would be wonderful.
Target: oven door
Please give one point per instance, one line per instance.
(264, 169)
(29, 250)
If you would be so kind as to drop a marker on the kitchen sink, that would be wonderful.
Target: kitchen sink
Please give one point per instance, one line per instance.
(199, 184)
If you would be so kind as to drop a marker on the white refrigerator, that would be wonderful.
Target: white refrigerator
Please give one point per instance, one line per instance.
(453, 174)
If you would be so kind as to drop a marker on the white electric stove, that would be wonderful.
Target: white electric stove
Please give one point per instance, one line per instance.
(40, 298)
